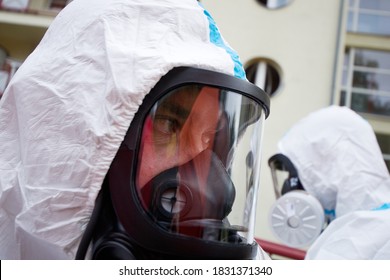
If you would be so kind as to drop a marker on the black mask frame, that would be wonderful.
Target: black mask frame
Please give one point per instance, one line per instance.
(128, 226)
(281, 162)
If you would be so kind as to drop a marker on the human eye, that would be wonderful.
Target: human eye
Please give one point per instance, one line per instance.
(165, 126)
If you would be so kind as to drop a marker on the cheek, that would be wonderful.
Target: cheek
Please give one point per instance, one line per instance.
(153, 161)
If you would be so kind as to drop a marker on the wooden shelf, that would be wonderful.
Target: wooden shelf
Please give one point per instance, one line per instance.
(26, 19)
(20, 33)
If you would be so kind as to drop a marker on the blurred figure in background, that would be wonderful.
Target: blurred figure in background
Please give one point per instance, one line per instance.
(335, 196)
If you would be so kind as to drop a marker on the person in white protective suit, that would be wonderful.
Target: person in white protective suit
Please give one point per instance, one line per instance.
(336, 197)
(124, 136)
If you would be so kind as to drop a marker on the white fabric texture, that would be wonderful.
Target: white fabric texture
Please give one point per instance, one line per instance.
(339, 161)
(68, 107)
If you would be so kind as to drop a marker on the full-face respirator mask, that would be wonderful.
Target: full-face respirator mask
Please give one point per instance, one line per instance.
(176, 189)
(296, 218)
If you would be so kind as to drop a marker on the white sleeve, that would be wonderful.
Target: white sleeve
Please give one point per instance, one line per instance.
(358, 235)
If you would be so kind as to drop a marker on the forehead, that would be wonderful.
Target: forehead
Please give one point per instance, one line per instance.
(188, 98)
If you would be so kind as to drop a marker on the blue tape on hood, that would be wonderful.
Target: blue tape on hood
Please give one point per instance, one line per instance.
(331, 214)
(383, 207)
(216, 39)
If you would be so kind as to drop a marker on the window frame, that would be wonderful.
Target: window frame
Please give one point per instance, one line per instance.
(356, 12)
(348, 69)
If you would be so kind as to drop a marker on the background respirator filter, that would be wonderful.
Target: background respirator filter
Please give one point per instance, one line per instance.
(296, 218)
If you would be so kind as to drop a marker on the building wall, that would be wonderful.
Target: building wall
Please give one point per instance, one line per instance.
(303, 39)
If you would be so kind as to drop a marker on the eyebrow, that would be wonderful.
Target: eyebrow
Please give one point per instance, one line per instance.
(176, 109)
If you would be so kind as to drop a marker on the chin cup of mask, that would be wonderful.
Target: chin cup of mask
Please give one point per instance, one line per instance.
(296, 218)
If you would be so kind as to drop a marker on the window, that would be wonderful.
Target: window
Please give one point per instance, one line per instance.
(366, 81)
(274, 4)
(265, 74)
(369, 16)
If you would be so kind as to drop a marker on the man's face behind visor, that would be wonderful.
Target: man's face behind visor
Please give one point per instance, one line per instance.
(186, 161)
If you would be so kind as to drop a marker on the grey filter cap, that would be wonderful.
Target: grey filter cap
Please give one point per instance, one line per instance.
(296, 219)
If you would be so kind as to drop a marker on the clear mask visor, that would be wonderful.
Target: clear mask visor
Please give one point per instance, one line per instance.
(199, 163)
(284, 175)
(278, 179)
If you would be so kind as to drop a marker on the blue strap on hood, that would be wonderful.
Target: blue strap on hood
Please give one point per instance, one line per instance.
(216, 39)
(385, 206)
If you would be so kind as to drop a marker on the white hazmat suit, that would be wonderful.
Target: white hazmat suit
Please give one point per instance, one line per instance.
(340, 163)
(67, 110)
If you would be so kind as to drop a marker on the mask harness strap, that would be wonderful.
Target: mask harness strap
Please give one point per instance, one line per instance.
(89, 231)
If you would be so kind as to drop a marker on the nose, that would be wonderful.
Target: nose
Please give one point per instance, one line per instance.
(195, 142)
